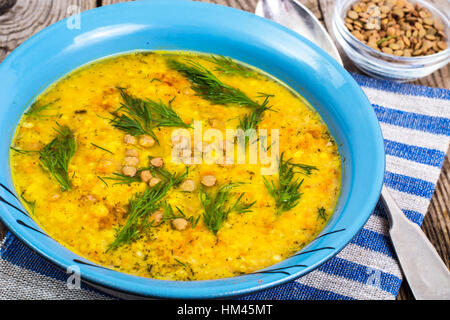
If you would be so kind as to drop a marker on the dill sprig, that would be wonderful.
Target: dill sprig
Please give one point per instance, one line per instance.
(123, 179)
(252, 120)
(140, 207)
(142, 116)
(217, 207)
(165, 116)
(37, 108)
(209, 87)
(21, 151)
(98, 147)
(169, 215)
(103, 180)
(31, 204)
(321, 213)
(305, 169)
(385, 39)
(186, 266)
(287, 192)
(120, 178)
(228, 66)
(56, 155)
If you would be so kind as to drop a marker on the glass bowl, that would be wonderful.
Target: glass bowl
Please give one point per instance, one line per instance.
(383, 65)
(197, 27)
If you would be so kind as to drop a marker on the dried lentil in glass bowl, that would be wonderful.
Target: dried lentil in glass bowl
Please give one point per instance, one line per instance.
(384, 64)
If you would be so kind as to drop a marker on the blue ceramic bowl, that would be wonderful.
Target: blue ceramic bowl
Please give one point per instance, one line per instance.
(201, 27)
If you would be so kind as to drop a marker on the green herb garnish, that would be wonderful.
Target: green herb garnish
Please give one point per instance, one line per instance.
(56, 155)
(142, 116)
(120, 178)
(386, 39)
(140, 207)
(166, 175)
(210, 88)
(180, 263)
(230, 67)
(136, 107)
(287, 192)
(103, 180)
(131, 126)
(137, 119)
(217, 207)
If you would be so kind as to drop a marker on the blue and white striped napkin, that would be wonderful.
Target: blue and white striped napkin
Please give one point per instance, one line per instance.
(415, 121)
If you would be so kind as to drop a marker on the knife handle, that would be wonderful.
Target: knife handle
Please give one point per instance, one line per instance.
(426, 273)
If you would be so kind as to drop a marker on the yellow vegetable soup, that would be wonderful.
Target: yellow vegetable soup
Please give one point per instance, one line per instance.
(93, 161)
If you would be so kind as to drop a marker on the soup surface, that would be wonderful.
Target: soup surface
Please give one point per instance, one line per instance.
(93, 161)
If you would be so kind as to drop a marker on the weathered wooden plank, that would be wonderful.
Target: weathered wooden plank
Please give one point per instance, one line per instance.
(436, 222)
(23, 18)
(107, 2)
(3, 231)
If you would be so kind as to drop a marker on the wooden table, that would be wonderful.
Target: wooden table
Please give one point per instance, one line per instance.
(19, 19)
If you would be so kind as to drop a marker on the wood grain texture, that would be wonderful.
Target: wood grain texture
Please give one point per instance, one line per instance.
(19, 19)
